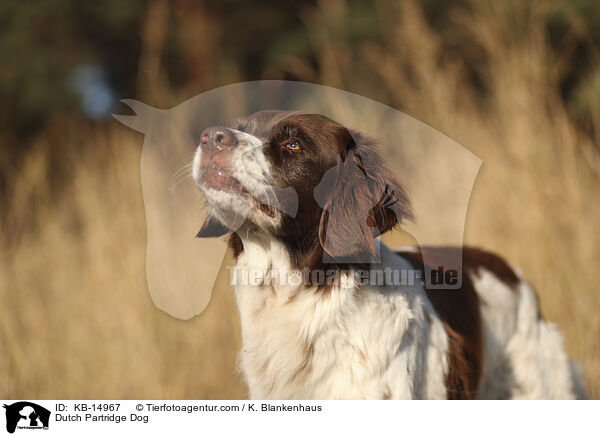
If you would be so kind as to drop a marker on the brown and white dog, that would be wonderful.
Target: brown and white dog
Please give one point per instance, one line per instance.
(299, 194)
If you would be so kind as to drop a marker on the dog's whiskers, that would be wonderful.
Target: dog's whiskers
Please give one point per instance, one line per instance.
(188, 166)
(180, 176)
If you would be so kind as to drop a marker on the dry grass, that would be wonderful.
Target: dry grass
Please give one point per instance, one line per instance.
(77, 321)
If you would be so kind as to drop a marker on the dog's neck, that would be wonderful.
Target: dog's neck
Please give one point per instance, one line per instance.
(294, 334)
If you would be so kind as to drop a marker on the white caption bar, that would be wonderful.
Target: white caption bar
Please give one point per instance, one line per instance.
(23, 417)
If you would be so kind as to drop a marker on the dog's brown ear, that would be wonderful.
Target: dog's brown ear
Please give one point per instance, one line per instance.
(361, 200)
(212, 228)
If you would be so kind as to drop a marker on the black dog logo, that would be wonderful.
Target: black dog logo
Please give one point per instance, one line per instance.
(24, 414)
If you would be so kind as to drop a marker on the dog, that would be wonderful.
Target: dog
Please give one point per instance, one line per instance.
(298, 193)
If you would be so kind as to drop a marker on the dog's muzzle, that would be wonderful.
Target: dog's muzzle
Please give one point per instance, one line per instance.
(217, 145)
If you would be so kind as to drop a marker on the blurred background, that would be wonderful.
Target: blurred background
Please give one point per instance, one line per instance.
(516, 82)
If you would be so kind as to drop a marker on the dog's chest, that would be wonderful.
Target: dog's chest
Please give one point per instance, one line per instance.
(337, 343)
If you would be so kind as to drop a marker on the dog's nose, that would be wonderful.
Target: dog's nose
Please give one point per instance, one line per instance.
(218, 138)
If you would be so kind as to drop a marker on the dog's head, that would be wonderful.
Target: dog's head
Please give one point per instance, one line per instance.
(315, 185)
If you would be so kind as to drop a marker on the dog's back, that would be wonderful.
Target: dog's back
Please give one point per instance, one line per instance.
(500, 345)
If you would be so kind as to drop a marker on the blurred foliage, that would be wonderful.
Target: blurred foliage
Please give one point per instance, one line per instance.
(207, 44)
(42, 41)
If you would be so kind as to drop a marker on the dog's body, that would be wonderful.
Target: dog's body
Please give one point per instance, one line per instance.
(345, 339)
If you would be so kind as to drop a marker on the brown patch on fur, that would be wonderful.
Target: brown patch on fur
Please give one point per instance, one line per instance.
(475, 258)
(460, 313)
(472, 260)
(359, 182)
(235, 242)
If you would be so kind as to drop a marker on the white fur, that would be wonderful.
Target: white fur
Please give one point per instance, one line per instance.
(251, 169)
(374, 343)
(524, 357)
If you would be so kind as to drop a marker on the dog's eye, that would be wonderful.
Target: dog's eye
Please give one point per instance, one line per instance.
(293, 145)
